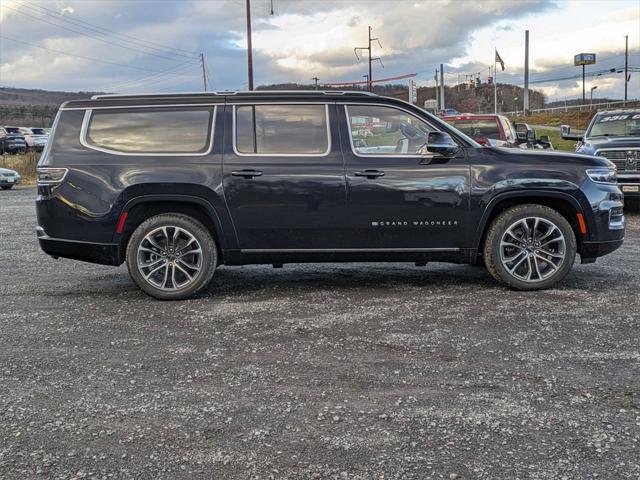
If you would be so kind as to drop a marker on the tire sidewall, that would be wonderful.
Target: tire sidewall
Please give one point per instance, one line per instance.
(507, 219)
(195, 228)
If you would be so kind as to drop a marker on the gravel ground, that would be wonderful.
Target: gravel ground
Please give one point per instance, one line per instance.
(356, 371)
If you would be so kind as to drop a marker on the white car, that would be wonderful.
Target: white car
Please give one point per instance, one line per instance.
(8, 178)
(35, 137)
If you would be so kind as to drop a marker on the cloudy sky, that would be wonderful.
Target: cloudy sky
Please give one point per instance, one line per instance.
(143, 46)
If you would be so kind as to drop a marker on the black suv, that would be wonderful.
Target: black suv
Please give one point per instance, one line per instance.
(614, 135)
(176, 185)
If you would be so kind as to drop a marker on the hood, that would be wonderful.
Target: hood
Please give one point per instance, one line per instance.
(614, 142)
(6, 170)
(554, 156)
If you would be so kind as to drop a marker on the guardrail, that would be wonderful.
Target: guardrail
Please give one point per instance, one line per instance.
(580, 108)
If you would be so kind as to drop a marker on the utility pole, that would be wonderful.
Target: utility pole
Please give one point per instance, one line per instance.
(441, 86)
(437, 88)
(371, 59)
(525, 102)
(249, 46)
(584, 98)
(626, 65)
(204, 71)
(315, 79)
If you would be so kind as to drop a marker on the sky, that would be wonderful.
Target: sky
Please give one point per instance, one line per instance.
(149, 46)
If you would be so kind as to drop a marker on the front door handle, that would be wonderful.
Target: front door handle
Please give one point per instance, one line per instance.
(246, 173)
(369, 173)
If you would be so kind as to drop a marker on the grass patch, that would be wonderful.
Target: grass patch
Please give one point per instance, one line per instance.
(25, 165)
(558, 142)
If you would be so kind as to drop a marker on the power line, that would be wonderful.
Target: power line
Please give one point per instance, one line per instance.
(102, 30)
(35, 17)
(168, 72)
(79, 56)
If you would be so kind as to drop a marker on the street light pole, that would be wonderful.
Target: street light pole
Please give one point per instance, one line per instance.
(626, 65)
(592, 89)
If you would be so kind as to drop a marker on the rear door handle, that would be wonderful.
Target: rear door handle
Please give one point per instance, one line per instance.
(369, 173)
(246, 173)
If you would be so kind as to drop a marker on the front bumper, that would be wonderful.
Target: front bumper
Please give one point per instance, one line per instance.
(5, 181)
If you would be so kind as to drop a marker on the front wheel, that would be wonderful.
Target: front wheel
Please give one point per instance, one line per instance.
(530, 247)
(7, 187)
(171, 256)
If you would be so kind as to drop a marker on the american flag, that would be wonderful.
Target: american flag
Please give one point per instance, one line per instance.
(499, 60)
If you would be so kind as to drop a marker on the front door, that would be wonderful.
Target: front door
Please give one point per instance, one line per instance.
(397, 198)
(283, 176)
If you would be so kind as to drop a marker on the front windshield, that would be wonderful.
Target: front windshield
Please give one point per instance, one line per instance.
(38, 131)
(622, 125)
(477, 128)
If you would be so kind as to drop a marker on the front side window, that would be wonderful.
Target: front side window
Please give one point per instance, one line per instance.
(281, 129)
(380, 130)
(151, 130)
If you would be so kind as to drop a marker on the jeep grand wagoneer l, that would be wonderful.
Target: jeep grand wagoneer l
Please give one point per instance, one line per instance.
(176, 185)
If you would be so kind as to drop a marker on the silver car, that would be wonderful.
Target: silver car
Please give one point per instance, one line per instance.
(8, 178)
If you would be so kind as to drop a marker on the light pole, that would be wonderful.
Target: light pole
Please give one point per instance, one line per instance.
(592, 89)
(249, 46)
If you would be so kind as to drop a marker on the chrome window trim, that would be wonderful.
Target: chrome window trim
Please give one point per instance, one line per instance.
(381, 155)
(250, 104)
(635, 149)
(86, 144)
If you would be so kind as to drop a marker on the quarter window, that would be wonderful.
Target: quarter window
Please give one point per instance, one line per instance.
(282, 129)
(379, 130)
(151, 130)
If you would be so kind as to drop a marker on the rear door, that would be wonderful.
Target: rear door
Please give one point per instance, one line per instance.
(283, 177)
(397, 198)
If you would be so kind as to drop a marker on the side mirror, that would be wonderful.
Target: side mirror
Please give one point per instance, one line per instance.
(531, 135)
(565, 133)
(440, 143)
(544, 139)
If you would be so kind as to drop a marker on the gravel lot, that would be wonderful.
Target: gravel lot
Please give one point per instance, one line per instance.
(318, 371)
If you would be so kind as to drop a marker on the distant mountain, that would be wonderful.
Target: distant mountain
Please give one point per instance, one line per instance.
(26, 96)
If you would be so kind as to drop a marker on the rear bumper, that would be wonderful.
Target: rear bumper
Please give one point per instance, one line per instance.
(102, 253)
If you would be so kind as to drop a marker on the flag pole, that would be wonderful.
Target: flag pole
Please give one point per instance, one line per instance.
(495, 81)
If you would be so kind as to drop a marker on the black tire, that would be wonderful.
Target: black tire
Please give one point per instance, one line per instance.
(207, 262)
(499, 227)
(7, 187)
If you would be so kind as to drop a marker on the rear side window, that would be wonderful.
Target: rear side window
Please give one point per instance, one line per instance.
(281, 130)
(151, 130)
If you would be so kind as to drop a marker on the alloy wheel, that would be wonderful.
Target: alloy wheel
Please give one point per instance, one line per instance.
(532, 249)
(169, 258)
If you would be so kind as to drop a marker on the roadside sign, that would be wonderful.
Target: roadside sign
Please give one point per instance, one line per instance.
(584, 59)
(413, 92)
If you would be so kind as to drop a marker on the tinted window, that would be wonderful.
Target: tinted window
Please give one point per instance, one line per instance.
(377, 130)
(477, 128)
(282, 129)
(151, 130)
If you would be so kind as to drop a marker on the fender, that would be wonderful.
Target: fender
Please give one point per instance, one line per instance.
(520, 194)
(152, 198)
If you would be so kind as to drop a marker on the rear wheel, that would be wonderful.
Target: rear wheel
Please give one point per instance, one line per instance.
(171, 256)
(7, 187)
(530, 247)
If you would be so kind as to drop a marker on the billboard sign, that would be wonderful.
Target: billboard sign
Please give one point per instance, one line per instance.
(584, 59)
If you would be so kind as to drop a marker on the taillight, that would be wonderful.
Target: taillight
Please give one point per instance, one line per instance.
(50, 176)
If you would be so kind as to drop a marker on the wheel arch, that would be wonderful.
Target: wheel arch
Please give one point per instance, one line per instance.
(563, 203)
(140, 208)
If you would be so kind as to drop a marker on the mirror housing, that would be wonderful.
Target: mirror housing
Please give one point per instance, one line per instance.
(544, 139)
(440, 143)
(565, 133)
(531, 135)
(521, 131)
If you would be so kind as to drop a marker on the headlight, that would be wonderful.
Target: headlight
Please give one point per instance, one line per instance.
(603, 175)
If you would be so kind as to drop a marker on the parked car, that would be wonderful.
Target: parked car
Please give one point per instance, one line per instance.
(8, 178)
(271, 177)
(498, 131)
(36, 138)
(614, 135)
(12, 141)
(448, 112)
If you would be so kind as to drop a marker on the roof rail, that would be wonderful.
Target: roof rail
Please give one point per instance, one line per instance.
(232, 92)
